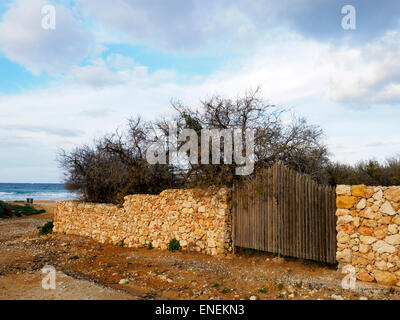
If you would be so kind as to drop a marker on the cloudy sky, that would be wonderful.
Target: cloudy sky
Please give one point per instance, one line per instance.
(109, 60)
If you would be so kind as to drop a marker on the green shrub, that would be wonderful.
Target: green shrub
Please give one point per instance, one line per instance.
(121, 244)
(47, 228)
(150, 246)
(263, 290)
(174, 245)
(8, 210)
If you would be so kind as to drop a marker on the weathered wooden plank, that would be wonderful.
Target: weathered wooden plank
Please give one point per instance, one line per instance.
(275, 221)
(270, 200)
(298, 218)
(300, 226)
(314, 220)
(307, 213)
(291, 230)
(294, 234)
(279, 209)
(284, 217)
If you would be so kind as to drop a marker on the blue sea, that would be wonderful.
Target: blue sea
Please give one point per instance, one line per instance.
(37, 191)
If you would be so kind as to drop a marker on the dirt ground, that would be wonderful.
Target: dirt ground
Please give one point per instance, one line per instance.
(89, 270)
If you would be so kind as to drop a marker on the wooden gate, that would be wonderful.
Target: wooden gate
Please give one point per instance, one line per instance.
(286, 213)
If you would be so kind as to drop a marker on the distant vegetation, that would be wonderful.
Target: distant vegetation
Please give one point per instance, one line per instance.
(115, 165)
(370, 172)
(8, 211)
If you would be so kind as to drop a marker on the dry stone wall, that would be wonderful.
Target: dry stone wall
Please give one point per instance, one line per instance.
(368, 227)
(200, 221)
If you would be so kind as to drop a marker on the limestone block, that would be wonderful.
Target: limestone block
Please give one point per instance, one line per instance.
(346, 202)
(387, 208)
(343, 190)
(385, 277)
(358, 191)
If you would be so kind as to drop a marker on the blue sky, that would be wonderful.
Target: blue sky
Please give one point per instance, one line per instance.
(109, 60)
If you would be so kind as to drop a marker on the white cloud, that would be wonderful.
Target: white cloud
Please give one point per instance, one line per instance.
(96, 112)
(172, 24)
(382, 143)
(118, 70)
(24, 41)
(368, 74)
(48, 130)
(119, 61)
(99, 75)
(389, 94)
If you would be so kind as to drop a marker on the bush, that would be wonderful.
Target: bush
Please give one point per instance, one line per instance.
(150, 246)
(174, 245)
(115, 166)
(7, 210)
(371, 172)
(225, 291)
(47, 228)
(263, 290)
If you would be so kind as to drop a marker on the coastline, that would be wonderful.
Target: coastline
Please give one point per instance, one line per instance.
(39, 192)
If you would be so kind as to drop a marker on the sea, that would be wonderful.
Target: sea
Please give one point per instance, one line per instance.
(37, 191)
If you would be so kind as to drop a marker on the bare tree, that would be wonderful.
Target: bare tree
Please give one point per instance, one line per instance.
(116, 165)
(294, 142)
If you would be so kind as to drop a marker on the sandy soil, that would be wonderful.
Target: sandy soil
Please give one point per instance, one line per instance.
(27, 286)
(89, 270)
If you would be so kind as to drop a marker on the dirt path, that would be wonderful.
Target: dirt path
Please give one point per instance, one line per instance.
(27, 286)
(89, 270)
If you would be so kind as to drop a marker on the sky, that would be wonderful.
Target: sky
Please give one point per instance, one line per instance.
(107, 61)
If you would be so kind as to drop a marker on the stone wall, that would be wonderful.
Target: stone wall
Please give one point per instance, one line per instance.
(368, 228)
(200, 221)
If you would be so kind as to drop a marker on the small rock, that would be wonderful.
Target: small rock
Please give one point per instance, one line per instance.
(337, 297)
(344, 256)
(343, 190)
(253, 298)
(378, 195)
(363, 298)
(278, 260)
(383, 247)
(387, 208)
(394, 239)
(386, 278)
(362, 204)
(123, 281)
